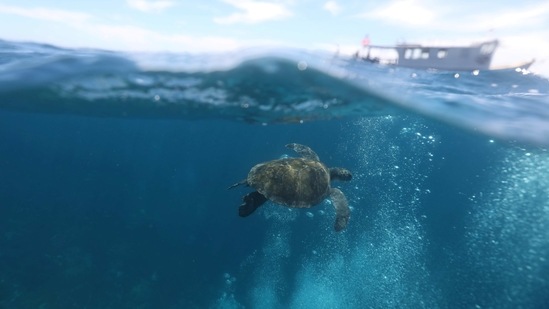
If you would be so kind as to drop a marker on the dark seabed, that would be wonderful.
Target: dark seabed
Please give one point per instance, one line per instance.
(134, 213)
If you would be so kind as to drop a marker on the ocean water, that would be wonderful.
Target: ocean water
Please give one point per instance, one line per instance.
(114, 169)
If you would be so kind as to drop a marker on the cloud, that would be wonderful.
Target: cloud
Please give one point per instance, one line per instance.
(409, 12)
(332, 7)
(459, 18)
(254, 12)
(54, 15)
(125, 37)
(522, 16)
(86, 30)
(150, 5)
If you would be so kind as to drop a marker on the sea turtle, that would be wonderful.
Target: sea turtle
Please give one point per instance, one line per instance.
(296, 182)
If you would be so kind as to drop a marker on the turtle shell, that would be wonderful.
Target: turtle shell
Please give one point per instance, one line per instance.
(293, 182)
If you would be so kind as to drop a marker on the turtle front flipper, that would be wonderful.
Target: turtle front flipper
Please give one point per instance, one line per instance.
(341, 207)
(303, 151)
(251, 202)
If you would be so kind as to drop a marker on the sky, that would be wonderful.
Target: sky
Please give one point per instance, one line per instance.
(227, 25)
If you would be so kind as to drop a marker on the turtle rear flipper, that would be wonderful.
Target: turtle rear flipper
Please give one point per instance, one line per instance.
(242, 182)
(251, 202)
(303, 151)
(341, 207)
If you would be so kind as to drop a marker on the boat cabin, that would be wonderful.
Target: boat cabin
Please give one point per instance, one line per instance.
(474, 57)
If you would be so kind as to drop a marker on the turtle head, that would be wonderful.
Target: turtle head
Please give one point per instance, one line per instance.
(339, 173)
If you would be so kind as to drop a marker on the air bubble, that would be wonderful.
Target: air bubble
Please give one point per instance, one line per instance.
(229, 279)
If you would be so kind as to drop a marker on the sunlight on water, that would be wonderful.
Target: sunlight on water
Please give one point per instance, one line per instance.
(509, 232)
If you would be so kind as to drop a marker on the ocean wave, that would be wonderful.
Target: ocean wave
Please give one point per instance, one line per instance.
(266, 86)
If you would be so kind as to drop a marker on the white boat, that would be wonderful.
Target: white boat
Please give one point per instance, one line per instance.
(450, 58)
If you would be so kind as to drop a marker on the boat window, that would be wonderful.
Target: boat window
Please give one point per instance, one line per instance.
(425, 53)
(407, 53)
(487, 48)
(416, 54)
(442, 53)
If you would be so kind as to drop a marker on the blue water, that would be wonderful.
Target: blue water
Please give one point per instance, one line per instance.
(115, 167)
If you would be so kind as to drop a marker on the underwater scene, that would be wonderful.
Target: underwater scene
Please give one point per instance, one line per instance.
(115, 169)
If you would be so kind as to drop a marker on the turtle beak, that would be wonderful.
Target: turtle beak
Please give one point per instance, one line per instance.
(347, 176)
(340, 174)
